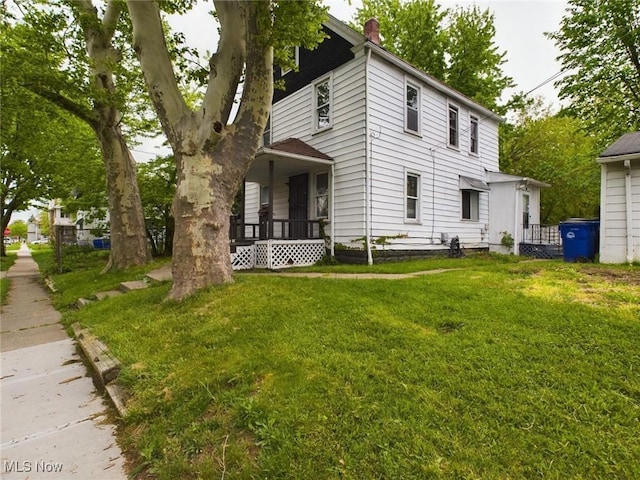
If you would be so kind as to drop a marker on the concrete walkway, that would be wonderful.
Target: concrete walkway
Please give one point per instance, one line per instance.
(54, 423)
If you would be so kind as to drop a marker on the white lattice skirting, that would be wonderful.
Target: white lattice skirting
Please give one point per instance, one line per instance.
(244, 258)
(275, 254)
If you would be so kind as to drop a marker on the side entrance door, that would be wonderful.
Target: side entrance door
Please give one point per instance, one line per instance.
(298, 205)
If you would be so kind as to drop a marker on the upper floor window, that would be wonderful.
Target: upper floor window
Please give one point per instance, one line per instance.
(322, 195)
(473, 135)
(295, 52)
(412, 194)
(453, 139)
(266, 135)
(470, 205)
(412, 111)
(322, 102)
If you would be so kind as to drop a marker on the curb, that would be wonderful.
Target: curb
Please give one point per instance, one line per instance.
(105, 365)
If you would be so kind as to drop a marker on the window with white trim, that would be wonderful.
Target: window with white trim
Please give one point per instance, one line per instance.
(412, 197)
(322, 102)
(412, 110)
(322, 195)
(266, 135)
(473, 134)
(470, 205)
(453, 137)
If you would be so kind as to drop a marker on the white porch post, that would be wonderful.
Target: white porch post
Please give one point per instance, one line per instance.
(332, 212)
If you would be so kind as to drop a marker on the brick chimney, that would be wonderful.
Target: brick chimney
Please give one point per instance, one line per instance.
(372, 30)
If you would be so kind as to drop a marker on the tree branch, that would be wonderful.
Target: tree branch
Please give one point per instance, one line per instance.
(111, 17)
(258, 85)
(151, 48)
(84, 114)
(226, 65)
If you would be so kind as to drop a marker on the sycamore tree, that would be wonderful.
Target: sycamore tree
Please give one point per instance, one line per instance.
(213, 148)
(600, 45)
(454, 45)
(71, 53)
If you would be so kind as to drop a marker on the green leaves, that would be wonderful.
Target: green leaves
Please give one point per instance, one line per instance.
(600, 44)
(555, 150)
(455, 46)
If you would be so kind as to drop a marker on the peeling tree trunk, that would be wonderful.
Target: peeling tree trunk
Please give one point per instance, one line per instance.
(212, 157)
(128, 239)
(201, 240)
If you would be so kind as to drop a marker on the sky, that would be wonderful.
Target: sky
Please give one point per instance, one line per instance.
(520, 27)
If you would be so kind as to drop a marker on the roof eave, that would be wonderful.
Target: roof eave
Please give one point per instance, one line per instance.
(618, 158)
(434, 83)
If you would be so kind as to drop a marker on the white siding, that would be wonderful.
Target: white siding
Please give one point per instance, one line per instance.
(344, 142)
(396, 151)
(251, 202)
(613, 227)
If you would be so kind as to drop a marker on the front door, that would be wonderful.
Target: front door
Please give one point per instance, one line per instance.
(298, 205)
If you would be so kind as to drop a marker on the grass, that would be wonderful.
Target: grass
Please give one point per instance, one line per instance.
(5, 283)
(409, 266)
(83, 277)
(501, 370)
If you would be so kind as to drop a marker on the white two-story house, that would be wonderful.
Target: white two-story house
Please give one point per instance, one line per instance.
(368, 156)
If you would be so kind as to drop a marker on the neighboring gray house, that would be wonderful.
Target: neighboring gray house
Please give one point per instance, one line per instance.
(361, 145)
(620, 200)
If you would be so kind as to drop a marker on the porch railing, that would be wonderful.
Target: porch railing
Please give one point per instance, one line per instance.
(281, 229)
(541, 234)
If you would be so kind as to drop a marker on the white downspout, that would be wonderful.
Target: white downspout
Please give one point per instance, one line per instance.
(516, 233)
(629, 215)
(333, 211)
(367, 160)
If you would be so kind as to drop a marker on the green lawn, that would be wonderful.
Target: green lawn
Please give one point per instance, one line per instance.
(5, 283)
(502, 370)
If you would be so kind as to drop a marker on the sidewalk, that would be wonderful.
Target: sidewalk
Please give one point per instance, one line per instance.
(54, 423)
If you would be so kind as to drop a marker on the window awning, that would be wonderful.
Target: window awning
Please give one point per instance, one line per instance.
(468, 183)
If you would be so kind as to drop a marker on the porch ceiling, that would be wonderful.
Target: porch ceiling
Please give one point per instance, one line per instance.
(290, 157)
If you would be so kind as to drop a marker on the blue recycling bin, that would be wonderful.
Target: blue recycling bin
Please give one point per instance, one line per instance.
(580, 239)
(102, 243)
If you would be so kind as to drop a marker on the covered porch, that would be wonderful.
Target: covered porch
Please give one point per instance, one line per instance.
(286, 207)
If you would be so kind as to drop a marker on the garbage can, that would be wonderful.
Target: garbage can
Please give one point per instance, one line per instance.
(97, 243)
(580, 239)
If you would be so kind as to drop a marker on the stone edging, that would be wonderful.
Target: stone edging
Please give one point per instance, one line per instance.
(105, 365)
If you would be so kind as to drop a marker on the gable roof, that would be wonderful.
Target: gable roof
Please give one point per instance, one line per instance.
(357, 39)
(627, 145)
(296, 146)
